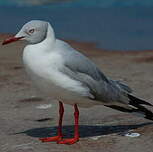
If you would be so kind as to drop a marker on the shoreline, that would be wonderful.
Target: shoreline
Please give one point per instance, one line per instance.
(90, 49)
(85, 45)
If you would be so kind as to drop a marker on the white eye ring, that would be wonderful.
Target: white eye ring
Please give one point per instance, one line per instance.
(31, 31)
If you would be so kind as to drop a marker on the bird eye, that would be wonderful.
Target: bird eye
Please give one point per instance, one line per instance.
(31, 31)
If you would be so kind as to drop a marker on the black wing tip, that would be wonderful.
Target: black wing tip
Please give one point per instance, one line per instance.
(145, 113)
(148, 114)
(136, 101)
(149, 117)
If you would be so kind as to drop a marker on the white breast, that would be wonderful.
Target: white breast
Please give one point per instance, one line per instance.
(44, 70)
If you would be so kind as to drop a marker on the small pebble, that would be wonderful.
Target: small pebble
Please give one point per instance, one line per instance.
(132, 135)
(95, 137)
(44, 106)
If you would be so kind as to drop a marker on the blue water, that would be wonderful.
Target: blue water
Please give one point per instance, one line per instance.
(80, 3)
(112, 24)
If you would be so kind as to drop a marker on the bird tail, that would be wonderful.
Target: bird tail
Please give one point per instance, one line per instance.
(136, 107)
(138, 103)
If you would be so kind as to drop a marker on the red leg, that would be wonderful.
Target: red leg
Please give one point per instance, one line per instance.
(59, 132)
(76, 131)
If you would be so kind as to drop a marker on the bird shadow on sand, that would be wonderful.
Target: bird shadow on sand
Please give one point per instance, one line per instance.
(85, 130)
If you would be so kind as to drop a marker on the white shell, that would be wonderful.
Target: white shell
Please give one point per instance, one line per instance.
(44, 106)
(95, 137)
(132, 135)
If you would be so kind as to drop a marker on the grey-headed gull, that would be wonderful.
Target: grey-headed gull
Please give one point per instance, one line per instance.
(65, 74)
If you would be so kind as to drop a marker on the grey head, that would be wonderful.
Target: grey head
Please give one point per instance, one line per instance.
(34, 31)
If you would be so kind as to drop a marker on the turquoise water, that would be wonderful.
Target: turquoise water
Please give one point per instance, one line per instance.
(112, 24)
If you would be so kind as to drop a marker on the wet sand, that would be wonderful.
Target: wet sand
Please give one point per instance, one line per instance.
(23, 119)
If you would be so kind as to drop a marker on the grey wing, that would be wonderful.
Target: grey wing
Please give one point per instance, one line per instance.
(79, 63)
(122, 86)
(80, 68)
(111, 93)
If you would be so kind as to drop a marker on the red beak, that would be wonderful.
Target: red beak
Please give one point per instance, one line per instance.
(11, 39)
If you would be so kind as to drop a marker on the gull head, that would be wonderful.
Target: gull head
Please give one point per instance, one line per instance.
(33, 32)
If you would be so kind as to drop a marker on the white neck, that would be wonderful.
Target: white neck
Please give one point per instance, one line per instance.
(50, 35)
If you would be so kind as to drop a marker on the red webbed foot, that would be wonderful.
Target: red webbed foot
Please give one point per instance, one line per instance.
(50, 139)
(68, 141)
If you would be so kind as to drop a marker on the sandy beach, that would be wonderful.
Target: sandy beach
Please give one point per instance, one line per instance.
(26, 116)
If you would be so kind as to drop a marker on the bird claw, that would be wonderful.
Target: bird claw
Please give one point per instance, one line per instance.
(50, 139)
(68, 141)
